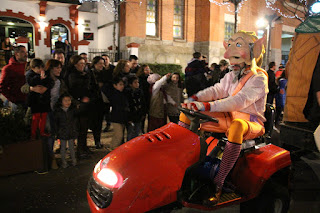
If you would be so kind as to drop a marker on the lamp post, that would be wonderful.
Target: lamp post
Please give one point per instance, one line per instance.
(266, 23)
(236, 8)
(263, 24)
(268, 42)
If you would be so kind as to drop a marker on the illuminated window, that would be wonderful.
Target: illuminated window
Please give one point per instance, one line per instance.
(178, 16)
(228, 30)
(152, 10)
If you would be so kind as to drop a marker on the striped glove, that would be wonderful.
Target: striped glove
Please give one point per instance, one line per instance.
(199, 106)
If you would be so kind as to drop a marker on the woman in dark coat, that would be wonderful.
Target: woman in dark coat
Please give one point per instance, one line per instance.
(122, 70)
(7, 47)
(97, 106)
(68, 50)
(81, 91)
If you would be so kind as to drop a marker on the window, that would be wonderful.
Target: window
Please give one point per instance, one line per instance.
(152, 10)
(228, 30)
(178, 16)
(56, 31)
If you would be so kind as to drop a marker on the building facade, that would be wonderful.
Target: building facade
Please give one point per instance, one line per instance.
(165, 31)
(169, 31)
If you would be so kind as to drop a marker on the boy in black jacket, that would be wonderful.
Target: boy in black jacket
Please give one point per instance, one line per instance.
(119, 110)
(137, 107)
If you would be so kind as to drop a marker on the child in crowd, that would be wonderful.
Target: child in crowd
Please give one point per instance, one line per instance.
(137, 107)
(65, 115)
(119, 110)
(173, 88)
(157, 111)
(38, 102)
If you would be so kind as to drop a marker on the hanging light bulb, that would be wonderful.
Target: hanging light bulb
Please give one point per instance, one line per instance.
(315, 8)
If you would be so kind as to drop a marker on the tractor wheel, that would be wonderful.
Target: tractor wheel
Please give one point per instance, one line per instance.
(273, 199)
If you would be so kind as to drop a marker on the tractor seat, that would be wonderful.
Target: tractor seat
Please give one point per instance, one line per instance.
(225, 121)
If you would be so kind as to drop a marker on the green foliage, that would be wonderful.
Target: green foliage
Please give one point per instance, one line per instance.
(12, 126)
(163, 69)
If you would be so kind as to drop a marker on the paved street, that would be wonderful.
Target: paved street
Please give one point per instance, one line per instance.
(64, 190)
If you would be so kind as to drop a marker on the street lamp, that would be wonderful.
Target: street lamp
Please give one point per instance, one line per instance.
(262, 24)
(266, 23)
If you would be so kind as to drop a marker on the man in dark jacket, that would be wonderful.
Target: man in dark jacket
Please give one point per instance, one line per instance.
(273, 88)
(194, 72)
(108, 70)
(13, 78)
(134, 63)
(59, 44)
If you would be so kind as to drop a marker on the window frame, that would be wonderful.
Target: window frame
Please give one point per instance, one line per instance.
(183, 21)
(230, 23)
(156, 19)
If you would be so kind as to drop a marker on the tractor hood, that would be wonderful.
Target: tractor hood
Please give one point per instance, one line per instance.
(149, 169)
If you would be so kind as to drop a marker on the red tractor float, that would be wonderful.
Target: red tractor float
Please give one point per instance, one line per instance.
(168, 168)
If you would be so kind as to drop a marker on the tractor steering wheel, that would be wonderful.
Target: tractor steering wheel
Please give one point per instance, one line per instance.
(198, 115)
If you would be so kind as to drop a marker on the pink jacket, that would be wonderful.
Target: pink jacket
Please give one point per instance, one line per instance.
(250, 99)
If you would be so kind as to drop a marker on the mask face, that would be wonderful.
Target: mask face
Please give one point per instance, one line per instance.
(238, 49)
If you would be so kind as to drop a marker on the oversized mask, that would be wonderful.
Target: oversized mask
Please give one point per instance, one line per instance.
(244, 47)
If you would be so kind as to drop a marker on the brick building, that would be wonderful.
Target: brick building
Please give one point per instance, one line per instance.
(169, 31)
(166, 31)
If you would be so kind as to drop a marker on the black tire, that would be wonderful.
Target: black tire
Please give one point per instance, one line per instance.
(274, 198)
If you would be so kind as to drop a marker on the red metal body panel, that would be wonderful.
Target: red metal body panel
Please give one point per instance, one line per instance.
(212, 142)
(152, 166)
(251, 171)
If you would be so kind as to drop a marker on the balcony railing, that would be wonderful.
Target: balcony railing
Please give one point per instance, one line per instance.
(112, 55)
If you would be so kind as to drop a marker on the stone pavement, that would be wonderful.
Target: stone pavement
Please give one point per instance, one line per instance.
(62, 190)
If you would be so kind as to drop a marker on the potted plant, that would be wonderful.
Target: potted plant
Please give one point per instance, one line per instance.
(18, 153)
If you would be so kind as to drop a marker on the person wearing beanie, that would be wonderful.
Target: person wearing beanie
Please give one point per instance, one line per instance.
(157, 113)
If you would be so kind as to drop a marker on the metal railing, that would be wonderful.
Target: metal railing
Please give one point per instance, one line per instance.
(113, 55)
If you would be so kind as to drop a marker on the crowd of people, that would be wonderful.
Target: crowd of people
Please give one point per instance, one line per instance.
(79, 96)
(76, 96)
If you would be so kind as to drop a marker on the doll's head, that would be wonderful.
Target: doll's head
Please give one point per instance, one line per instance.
(244, 48)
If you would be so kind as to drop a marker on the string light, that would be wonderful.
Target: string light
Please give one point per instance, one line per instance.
(269, 4)
(229, 5)
(106, 4)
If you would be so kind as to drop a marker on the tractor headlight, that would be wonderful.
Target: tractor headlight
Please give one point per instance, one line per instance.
(110, 178)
